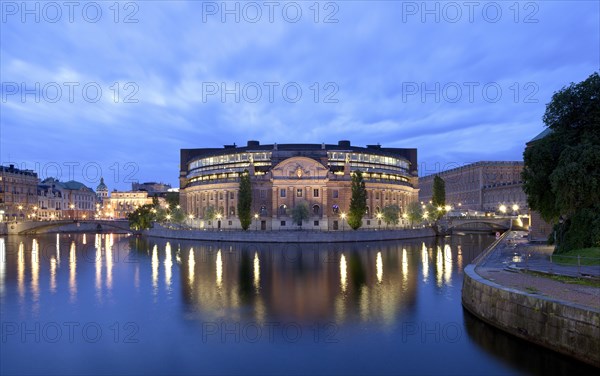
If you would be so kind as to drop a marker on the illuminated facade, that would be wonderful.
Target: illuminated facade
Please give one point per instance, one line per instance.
(286, 175)
(119, 204)
(18, 193)
(65, 200)
(481, 186)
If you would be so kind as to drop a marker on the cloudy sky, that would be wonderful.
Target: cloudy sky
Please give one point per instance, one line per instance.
(94, 88)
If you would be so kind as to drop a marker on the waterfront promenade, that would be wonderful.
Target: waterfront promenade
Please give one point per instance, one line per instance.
(515, 286)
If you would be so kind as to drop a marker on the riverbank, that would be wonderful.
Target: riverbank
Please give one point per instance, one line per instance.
(289, 236)
(561, 316)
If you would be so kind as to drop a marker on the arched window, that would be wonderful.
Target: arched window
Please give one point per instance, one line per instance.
(336, 209)
(377, 210)
(282, 210)
(316, 210)
(263, 211)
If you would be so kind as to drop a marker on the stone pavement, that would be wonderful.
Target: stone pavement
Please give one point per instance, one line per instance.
(516, 253)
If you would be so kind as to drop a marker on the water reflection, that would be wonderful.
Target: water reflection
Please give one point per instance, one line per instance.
(425, 262)
(2, 265)
(371, 289)
(73, 272)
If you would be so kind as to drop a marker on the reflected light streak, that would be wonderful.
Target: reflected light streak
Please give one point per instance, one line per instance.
(168, 264)
(459, 260)
(439, 267)
(191, 267)
(53, 274)
(72, 272)
(379, 267)
(21, 270)
(404, 266)
(2, 265)
(447, 264)
(256, 272)
(219, 269)
(58, 249)
(84, 239)
(98, 266)
(343, 273)
(109, 261)
(155, 268)
(35, 270)
(425, 262)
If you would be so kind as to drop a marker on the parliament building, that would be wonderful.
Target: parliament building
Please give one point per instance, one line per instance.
(286, 175)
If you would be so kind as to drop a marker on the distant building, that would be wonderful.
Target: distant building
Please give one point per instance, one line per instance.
(101, 191)
(119, 204)
(18, 193)
(66, 200)
(152, 188)
(286, 175)
(480, 186)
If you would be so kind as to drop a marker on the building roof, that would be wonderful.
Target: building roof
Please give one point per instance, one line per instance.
(543, 134)
(410, 154)
(101, 186)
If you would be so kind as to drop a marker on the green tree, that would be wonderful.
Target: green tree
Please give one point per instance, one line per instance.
(391, 214)
(561, 176)
(244, 206)
(358, 201)
(142, 217)
(415, 212)
(438, 199)
(300, 213)
(210, 213)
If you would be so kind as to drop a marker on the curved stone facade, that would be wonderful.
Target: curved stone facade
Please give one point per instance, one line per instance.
(287, 175)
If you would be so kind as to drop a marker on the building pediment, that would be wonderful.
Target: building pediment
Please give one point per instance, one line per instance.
(299, 168)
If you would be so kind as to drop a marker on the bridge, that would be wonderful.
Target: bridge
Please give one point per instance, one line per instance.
(92, 225)
(481, 223)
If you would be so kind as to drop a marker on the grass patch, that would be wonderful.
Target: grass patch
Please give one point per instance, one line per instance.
(588, 256)
(532, 290)
(568, 279)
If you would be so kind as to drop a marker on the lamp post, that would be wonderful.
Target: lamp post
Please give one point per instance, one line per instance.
(20, 207)
(515, 208)
(343, 219)
(255, 221)
(35, 208)
(502, 209)
(379, 220)
(72, 207)
(219, 216)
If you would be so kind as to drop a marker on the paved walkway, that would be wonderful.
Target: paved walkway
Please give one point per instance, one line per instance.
(515, 254)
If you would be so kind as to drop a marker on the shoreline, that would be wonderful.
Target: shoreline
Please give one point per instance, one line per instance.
(554, 322)
(290, 236)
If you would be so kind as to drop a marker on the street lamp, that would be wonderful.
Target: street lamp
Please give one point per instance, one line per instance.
(343, 218)
(256, 221)
(379, 220)
(515, 208)
(502, 209)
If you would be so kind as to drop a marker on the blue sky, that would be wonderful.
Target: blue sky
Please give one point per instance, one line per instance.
(85, 93)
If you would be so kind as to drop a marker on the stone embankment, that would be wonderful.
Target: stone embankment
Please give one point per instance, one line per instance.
(290, 236)
(537, 309)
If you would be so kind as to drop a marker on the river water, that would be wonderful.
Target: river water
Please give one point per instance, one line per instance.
(107, 303)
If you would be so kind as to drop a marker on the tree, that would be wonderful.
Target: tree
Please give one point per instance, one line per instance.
(438, 199)
(142, 217)
(390, 214)
(210, 213)
(244, 206)
(415, 212)
(358, 201)
(300, 213)
(561, 176)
